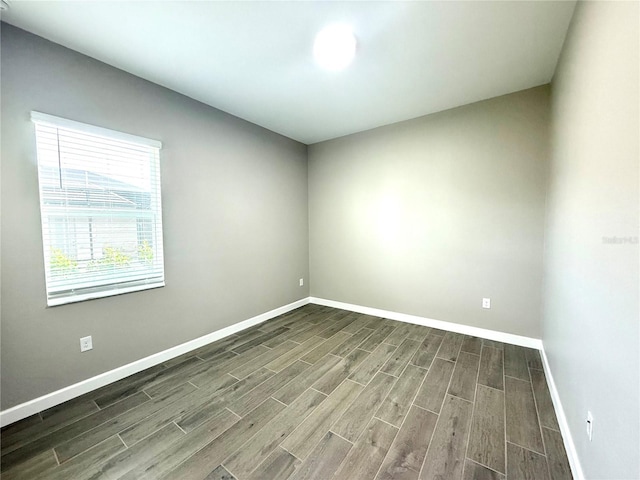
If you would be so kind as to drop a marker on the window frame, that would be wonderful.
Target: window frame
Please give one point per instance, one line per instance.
(101, 285)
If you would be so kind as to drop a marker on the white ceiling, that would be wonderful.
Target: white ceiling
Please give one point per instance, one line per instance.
(254, 59)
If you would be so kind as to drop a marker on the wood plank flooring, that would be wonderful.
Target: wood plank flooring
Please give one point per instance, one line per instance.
(317, 393)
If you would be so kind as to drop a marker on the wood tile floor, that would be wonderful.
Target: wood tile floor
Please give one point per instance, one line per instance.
(317, 393)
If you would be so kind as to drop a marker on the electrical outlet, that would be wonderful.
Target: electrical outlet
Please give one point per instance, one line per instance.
(589, 425)
(302, 282)
(86, 344)
(486, 303)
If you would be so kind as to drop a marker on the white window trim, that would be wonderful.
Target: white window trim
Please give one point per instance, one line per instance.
(54, 302)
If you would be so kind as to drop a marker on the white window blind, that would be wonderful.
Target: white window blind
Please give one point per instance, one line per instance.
(101, 212)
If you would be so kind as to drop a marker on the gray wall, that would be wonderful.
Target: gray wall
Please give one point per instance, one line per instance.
(590, 319)
(428, 216)
(235, 220)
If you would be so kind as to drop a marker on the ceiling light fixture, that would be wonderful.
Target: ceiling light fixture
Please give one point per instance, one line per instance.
(335, 47)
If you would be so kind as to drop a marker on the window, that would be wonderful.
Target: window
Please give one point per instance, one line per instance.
(101, 210)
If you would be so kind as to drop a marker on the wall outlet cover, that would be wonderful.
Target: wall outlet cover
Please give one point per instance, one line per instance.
(86, 343)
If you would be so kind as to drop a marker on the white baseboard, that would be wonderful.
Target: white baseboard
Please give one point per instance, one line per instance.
(429, 322)
(567, 438)
(52, 399)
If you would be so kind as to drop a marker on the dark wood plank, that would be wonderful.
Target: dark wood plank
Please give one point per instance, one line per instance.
(66, 414)
(72, 430)
(374, 322)
(263, 443)
(325, 347)
(546, 412)
(559, 468)
(473, 471)
(400, 333)
(360, 321)
(522, 419)
(418, 332)
(69, 411)
(471, 345)
(289, 319)
(200, 412)
(445, 457)
(450, 346)
(463, 381)
(487, 437)
(193, 441)
(220, 473)
(427, 350)
(294, 330)
(259, 340)
(357, 416)
(200, 401)
(325, 313)
(279, 465)
(293, 390)
(8, 430)
(294, 354)
(372, 342)
(437, 331)
(367, 369)
(211, 371)
(213, 348)
(324, 460)
(401, 357)
(247, 335)
(352, 342)
(127, 386)
(197, 369)
(395, 407)
(340, 321)
(366, 456)
(515, 362)
(491, 371)
(432, 391)
(492, 343)
(85, 465)
(524, 464)
(255, 397)
(340, 371)
(283, 320)
(533, 358)
(89, 438)
(407, 453)
(142, 451)
(31, 468)
(304, 439)
(159, 378)
(262, 360)
(306, 334)
(205, 460)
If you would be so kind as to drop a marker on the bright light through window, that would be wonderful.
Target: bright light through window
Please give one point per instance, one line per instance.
(101, 212)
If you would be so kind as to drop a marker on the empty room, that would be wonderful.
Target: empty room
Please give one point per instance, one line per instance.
(372, 240)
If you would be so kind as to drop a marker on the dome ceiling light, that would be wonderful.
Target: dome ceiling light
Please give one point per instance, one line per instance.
(335, 47)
